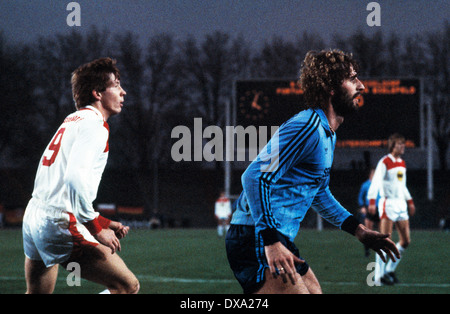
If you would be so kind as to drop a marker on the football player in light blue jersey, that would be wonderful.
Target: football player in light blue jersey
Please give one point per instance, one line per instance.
(289, 176)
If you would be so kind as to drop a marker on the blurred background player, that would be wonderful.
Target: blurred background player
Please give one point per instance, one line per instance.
(389, 181)
(222, 213)
(60, 225)
(277, 194)
(366, 218)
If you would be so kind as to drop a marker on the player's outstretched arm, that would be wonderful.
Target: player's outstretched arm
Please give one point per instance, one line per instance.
(378, 242)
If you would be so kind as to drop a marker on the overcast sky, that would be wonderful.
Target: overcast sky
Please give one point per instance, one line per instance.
(256, 20)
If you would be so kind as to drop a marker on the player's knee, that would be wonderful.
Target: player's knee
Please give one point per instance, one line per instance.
(405, 243)
(132, 287)
(135, 287)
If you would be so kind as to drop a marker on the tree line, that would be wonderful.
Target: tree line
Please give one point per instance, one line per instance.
(169, 81)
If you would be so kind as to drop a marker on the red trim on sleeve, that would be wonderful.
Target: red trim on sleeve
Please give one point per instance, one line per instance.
(104, 222)
(93, 226)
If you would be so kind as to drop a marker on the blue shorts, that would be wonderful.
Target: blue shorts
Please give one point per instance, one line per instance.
(247, 258)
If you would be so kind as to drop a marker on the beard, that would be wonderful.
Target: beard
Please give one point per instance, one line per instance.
(344, 103)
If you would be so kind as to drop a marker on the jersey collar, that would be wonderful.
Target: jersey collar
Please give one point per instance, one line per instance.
(393, 158)
(95, 110)
(324, 121)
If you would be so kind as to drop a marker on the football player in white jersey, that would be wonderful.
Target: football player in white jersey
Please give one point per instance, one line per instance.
(389, 181)
(222, 213)
(60, 225)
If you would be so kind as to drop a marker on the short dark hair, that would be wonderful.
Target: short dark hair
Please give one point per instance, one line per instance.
(91, 76)
(323, 72)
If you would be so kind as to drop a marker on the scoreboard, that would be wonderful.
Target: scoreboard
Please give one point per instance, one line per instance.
(386, 106)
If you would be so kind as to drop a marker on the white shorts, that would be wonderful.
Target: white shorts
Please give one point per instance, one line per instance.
(52, 235)
(393, 209)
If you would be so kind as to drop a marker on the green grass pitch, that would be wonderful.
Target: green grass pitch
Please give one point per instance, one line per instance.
(193, 261)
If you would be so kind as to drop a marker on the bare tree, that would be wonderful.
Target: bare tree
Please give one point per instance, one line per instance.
(369, 51)
(278, 59)
(54, 60)
(393, 55)
(151, 84)
(413, 58)
(308, 41)
(439, 71)
(209, 69)
(18, 128)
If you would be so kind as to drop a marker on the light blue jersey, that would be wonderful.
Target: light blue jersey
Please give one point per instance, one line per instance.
(362, 196)
(290, 175)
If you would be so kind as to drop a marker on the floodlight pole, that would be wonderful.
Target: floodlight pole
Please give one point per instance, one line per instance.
(319, 222)
(430, 152)
(228, 150)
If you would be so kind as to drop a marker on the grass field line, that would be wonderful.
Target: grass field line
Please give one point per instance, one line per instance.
(159, 279)
(343, 283)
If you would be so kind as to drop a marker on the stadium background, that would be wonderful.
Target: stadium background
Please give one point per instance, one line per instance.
(140, 177)
(196, 192)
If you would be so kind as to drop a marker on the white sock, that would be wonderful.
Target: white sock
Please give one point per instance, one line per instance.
(379, 266)
(106, 291)
(391, 265)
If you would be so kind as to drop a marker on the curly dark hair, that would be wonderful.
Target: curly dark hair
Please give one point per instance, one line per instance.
(323, 72)
(92, 76)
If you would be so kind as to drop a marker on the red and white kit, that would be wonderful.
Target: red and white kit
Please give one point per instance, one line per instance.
(60, 218)
(389, 180)
(222, 208)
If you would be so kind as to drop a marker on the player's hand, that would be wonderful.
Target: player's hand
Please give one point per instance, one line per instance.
(120, 230)
(412, 209)
(282, 262)
(108, 238)
(377, 242)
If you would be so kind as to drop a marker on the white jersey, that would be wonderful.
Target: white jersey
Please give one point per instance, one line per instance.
(72, 165)
(389, 180)
(223, 208)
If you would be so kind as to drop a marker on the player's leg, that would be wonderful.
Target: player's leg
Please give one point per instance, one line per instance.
(311, 282)
(369, 224)
(97, 264)
(221, 227)
(277, 286)
(39, 278)
(403, 233)
(386, 226)
(402, 227)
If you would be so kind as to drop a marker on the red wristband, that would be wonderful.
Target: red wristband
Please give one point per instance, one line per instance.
(104, 222)
(93, 226)
(372, 202)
